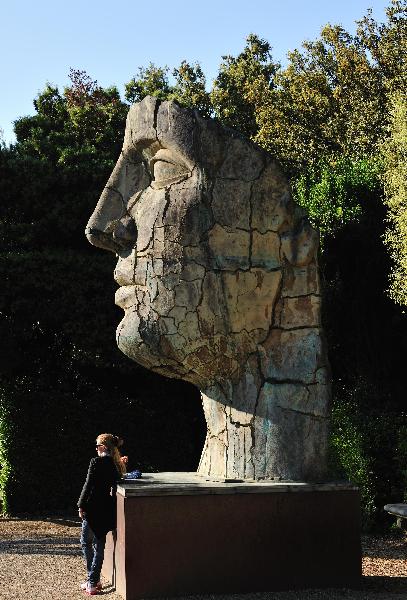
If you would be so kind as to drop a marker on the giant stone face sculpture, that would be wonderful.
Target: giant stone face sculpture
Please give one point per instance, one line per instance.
(219, 286)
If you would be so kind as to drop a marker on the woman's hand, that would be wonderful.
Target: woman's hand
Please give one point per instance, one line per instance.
(81, 513)
(124, 459)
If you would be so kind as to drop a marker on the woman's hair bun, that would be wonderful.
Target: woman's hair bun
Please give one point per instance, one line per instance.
(117, 441)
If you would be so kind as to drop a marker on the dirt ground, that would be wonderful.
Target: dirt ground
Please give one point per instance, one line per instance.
(40, 560)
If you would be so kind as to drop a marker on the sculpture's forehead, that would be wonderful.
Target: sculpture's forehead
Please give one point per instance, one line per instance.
(203, 142)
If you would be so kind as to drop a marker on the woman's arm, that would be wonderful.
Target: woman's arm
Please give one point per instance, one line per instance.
(87, 487)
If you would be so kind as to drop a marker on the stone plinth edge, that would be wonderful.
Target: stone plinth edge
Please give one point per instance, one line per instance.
(398, 510)
(191, 484)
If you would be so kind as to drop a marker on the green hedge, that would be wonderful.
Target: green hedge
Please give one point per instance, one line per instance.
(49, 422)
(369, 448)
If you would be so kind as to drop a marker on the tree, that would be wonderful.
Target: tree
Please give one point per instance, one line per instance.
(190, 88)
(151, 81)
(331, 99)
(243, 84)
(394, 152)
(387, 44)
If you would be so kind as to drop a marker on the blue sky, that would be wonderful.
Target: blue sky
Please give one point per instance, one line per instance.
(41, 40)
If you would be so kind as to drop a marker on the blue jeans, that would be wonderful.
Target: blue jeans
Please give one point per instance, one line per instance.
(93, 549)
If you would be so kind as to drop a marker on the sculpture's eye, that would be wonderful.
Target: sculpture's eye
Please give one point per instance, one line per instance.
(167, 168)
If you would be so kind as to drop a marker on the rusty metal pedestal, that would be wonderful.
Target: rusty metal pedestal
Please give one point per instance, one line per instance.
(185, 534)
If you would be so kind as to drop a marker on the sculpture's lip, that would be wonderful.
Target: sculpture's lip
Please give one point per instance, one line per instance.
(126, 296)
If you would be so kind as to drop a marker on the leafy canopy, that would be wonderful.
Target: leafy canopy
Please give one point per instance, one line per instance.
(394, 153)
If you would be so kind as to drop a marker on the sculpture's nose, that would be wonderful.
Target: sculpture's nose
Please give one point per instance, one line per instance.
(110, 226)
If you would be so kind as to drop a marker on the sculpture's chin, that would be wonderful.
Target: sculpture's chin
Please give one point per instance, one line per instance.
(142, 342)
(200, 360)
(128, 336)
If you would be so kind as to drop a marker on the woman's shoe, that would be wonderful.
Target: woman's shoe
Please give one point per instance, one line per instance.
(85, 584)
(91, 590)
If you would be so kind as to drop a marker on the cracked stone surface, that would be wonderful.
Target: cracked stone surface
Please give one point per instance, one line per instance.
(217, 268)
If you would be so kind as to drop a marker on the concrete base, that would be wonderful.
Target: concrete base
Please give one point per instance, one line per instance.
(184, 534)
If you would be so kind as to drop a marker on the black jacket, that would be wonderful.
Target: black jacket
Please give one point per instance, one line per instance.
(97, 499)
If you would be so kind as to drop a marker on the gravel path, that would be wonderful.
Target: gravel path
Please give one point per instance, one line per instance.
(40, 560)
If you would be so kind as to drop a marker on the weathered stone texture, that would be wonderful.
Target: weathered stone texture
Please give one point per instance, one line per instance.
(250, 296)
(266, 250)
(229, 249)
(292, 355)
(219, 286)
(235, 213)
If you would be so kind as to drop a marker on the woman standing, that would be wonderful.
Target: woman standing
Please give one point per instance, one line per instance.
(97, 506)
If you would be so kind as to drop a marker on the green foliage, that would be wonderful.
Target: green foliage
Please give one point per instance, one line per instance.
(71, 127)
(330, 100)
(394, 152)
(401, 455)
(386, 44)
(333, 193)
(189, 90)
(6, 442)
(350, 455)
(151, 81)
(368, 447)
(242, 85)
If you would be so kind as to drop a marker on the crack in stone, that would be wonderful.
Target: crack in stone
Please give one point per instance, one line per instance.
(155, 117)
(116, 191)
(214, 436)
(238, 424)
(275, 381)
(296, 328)
(136, 197)
(302, 413)
(149, 244)
(226, 442)
(239, 270)
(310, 294)
(167, 204)
(266, 231)
(251, 228)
